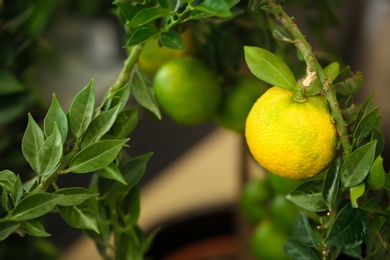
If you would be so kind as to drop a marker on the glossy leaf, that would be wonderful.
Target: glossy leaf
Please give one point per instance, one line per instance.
(7, 180)
(55, 115)
(31, 143)
(142, 35)
(296, 250)
(380, 141)
(81, 111)
(74, 196)
(100, 125)
(125, 123)
(96, 155)
(7, 228)
(269, 67)
(214, 7)
(303, 231)
(132, 172)
(147, 15)
(348, 230)
(50, 153)
(331, 183)
(112, 172)
(348, 83)
(144, 93)
(308, 195)
(365, 108)
(35, 228)
(82, 216)
(355, 193)
(376, 177)
(173, 40)
(357, 166)
(34, 206)
(365, 127)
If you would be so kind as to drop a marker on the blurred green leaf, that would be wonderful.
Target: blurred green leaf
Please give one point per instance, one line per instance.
(371, 205)
(7, 228)
(9, 83)
(82, 216)
(281, 34)
(144, 93)
(214, 7)
(380, 141)
(147, 15)
(268, 67)
(125, 123)
(50, 153)
(376, 177)
(142, 35)
(100, 125)
(56, 114)
(331, 185)
(130, 207)
(127, 245)
(303, 231)
(365, 108)
(13, 106)
(169, 4)
(7, 180)
(96, 155)
(348, 230)
(74, 196)
(355, 193)
(34, 206)
(357, 166)
(35, 228)
(355, 252)
(296, 250)
(365, 127)
(348, 83)
(81, 110)
(128, 10)
(308, 195)
(173, 40)
(112, 172)
(31, 143)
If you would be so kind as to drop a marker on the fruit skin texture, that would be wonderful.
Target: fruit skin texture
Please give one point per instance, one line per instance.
(238, 101)
(187, 90)
(288, 138)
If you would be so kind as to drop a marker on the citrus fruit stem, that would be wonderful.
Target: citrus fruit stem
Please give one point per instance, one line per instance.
(313, 65)
(300, 96)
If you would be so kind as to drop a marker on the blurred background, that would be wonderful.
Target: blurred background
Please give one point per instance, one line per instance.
(195, 170)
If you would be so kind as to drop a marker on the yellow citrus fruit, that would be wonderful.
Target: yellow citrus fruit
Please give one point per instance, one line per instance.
(187, 90)
(153, 55)
(291, 139)
(267, 242)
(238, 101)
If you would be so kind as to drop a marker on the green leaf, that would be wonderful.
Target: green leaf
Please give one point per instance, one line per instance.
(214, 7)
(56, 114)
(332, 70)
(142, 35)
(268, 67)
(372, 206)
(74, 196)
(13, 106)
(34, 206)
(365, 127)
(355, 193)
(31, 143)
(96, 155)
(144, 93)
(387, 182)
(357, 166)
(355, 252)
(281, 34)
(127, 245)
(130, 206)
(7, 228)
(365, 108)
(132, 172)
(169, 4)
(308, 195)
(50, 153)
(296, 250)
(125, 123)
(147, 15)
(81, 110)
(376, 177)
(348, 230)
(82, 216)
(112, 172)
(35, 228)
(7, 180)
(380, 141)
(303, 231)
(119, 97)
(128, 10)
(100, 125)
(348, 83)
(17, 190)
(331, 185)
(173, 40)
(9, 83)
